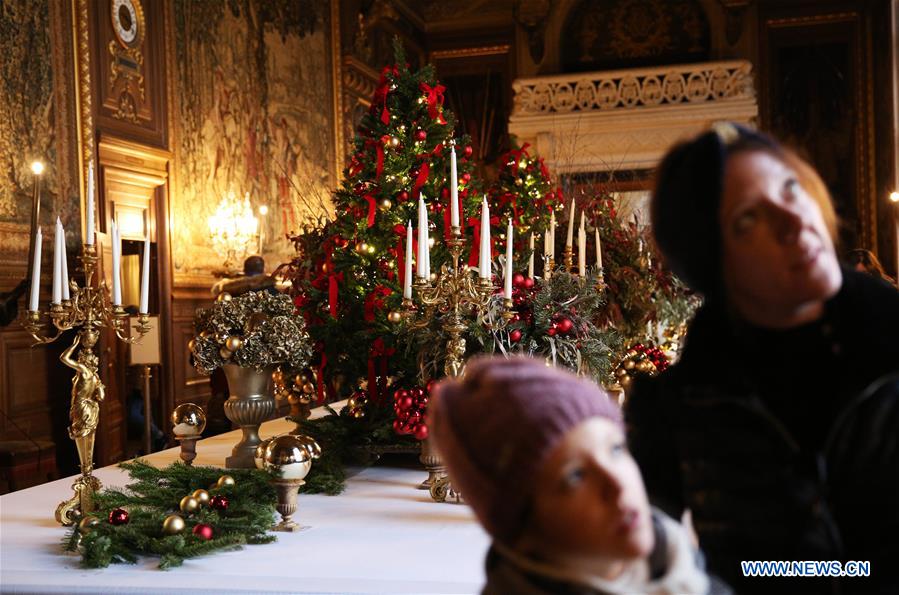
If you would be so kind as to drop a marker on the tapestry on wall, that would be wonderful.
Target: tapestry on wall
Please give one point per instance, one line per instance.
(35, 122)
(253, 114)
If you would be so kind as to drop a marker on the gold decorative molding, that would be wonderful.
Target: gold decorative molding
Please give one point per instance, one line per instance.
(83, 117)
(490, 50)
(337, 95)
(815, 19)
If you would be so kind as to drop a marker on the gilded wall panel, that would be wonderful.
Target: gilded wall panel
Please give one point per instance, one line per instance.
(253, 113)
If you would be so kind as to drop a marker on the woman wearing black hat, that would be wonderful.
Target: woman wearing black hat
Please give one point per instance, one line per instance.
(779, 427)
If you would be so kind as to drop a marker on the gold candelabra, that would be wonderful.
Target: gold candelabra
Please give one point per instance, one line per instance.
(454, 294)
(91, 309)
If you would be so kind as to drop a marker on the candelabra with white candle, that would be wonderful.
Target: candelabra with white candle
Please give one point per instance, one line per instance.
(568, 255)
(88, 308)
(448, 298)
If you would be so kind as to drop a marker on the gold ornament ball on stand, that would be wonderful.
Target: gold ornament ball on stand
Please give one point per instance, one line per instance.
(291, 457)
(189, 504)
(188, 421)
(202, 496)
(173, 524)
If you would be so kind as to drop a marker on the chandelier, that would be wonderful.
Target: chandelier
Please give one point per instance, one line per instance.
(234, 229)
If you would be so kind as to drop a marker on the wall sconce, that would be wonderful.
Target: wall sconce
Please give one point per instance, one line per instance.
(233, 229)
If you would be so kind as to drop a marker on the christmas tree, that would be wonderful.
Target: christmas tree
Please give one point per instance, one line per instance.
(348, 275)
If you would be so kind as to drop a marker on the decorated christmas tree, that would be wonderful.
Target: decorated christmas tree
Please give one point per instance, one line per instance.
(347, 277)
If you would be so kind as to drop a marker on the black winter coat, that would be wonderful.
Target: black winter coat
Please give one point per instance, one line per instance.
(784, 445)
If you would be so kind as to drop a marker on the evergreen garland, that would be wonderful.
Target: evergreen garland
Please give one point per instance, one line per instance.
(155, 494)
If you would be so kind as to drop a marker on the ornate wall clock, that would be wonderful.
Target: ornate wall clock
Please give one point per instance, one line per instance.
(128, 22)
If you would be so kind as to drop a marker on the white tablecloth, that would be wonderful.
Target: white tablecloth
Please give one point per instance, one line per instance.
(380, 536)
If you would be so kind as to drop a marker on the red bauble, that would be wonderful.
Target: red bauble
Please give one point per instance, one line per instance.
(118, 516)
(551, 331)
(397, 426)
(421, 432)
(220, 503)
(430, 386)
(402, 196)
(517, 279)
(515, 336)
(406, 403)
(565, 325)
(467, 151)
(528, 283)
(203, 531)
(340, 242)
(360, 188)
(466, 177)
(421, 135)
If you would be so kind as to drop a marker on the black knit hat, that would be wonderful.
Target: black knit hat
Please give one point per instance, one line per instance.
(687, 198)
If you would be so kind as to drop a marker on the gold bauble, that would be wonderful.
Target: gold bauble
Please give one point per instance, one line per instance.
(192, 344)
(298, 379)
(278, 376)
(189, 504)
(188, 419)
(394, 141)
(644, 366)
(386, 203)
(224, 480)
(620, 372)
(225, 353)
(628, 364)
(206, 334)
(291, 455)
(202, 496)
(361, 247)
(86, 524)
(308, 388)
(173, 524)
(625, 381)
(394, 316)
(233, 343)
(223, 297)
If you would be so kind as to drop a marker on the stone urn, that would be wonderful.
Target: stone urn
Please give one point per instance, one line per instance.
(250, 402)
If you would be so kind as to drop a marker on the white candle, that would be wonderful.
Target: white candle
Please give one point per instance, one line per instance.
(57, 266)
(484, 260)
(569, 242)
(116, 266)
(89, 237)
(552, 235)
(598, 251)
(145, 279)
(407, 266)
(36, 272)
(65, 263)
(454, 189)
(507, 275)
(582, 249)
(531, 259)
(422, 260)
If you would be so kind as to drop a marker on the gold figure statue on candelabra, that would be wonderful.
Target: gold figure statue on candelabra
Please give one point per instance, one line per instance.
(454, 294)
(89, 309)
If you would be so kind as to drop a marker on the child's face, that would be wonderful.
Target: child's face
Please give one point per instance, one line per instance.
(590, 498)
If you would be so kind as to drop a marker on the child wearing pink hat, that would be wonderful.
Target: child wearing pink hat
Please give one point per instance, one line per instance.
(541, 457)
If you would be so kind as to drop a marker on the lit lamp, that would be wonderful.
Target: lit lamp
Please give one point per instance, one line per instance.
(233, 229)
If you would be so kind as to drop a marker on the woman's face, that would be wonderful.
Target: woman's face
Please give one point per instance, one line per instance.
(590, 500)
(778, 257)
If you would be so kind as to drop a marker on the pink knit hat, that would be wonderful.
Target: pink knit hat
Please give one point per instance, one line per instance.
(496, 426)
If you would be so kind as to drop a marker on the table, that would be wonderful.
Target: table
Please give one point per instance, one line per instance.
(380, 536)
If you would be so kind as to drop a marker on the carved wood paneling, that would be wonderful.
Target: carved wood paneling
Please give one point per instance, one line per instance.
(129, 89)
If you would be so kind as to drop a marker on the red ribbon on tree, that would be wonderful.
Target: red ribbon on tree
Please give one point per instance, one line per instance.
(374, 301)
(381, 92)
(435, 98)
(372, 209)
(516, 154)
(421, 179)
